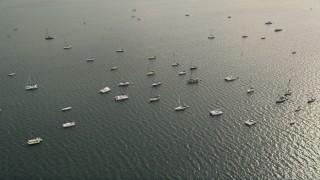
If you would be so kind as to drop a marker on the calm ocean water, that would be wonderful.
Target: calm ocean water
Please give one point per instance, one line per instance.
(135, 139)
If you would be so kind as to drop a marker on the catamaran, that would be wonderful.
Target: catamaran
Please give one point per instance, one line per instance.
(121, 97)
(105, 90)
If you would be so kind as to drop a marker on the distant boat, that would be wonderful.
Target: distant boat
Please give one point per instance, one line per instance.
(114, 68)
(216, 112)
(268, 23)
(48, 37)
(281, 99)
(298, 109)
(250, 90)
(105, 90)
(244, 36)
(120, 50)
(278, 30)
(150, 73)
(263, 38)
(15, 29)
(193, 67)
(187, 15)
(68, 124)
(294, 51)
(124, 83)
(288, 91)
(174, 60)
(66, 109)
(193, 80)
(311, 100)
(156, 84)
(229, 17)
(250, 122)
(154, 98)
(180, 107)
(231, 78)
(34, 141)
(152, 57)
(67, 47)
(30, 85)
(211, 36)
(12, 74)
(121, 97)
(90, 59)
(182, 72)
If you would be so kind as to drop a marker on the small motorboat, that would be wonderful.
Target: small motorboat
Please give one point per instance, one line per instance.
(182, 72)
(114, 68)
(311, 100)
(125, 83)
(66, 109)
(154, 98)
(216, 112)
(298, 109)
(281, 99)
(90, 59)
(67, 47)
(278, 30)
(120, 50)
(230, 78)
(152, 57)
(250, 90)
(150, 73)
(211, 36)
(268, 23)
(12, 74)
(250, 122)
(34, 141)
(156, 84)
(68, 124)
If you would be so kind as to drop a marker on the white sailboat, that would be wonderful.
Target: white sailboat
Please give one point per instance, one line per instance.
(66, 46)
(30, 85)
(288, 91)
(211, 36)
(180, 107)
(174, 61)
(91, 58)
